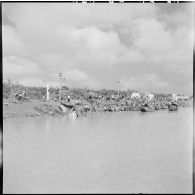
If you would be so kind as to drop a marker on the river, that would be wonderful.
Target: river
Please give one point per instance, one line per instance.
(119, 152)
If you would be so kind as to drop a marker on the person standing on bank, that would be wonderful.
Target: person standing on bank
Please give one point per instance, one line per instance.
(68, 97)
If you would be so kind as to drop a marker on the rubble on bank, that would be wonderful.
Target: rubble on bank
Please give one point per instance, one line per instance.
(80, 103)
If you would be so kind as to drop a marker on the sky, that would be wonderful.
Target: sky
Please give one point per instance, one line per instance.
(147, 47)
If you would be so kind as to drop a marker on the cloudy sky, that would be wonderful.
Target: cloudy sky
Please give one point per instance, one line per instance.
(148, 47)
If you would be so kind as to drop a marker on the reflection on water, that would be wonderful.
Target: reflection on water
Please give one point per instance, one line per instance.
(125, 152)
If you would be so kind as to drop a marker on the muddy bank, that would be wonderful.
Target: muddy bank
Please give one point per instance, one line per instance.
(78, 107)
(30, 108)
(22, 101)
(33, 108)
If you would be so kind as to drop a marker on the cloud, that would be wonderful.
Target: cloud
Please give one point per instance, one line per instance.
(94, 45)
(11, 41)
(79, 78)
(32, 82)
(14, 65)
(152, 82)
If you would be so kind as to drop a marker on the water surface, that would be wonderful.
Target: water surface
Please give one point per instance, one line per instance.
(121, 152)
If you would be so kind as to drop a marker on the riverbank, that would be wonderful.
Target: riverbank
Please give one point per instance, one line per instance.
(22, 101)
(30, 108)
(35, 107)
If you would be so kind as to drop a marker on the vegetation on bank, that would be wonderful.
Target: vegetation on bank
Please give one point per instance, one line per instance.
(82, 101)
(9, 89)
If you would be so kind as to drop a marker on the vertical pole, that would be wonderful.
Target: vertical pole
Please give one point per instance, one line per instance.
(12, 91)
(47, 92)
(60, 75)
(118, 87)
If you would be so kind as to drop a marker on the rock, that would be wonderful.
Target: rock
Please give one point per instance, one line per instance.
(63, 108)
(86, 108)
(117, 109)
(73, 115)
(78, 102)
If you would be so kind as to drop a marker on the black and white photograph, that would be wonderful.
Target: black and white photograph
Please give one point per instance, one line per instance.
(97, 97)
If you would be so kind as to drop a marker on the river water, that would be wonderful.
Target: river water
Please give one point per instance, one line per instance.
(120, 152)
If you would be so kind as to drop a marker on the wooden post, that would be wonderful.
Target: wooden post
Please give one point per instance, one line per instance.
(12, 95)
(47, 92)
(60, 75)
(118, 87)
